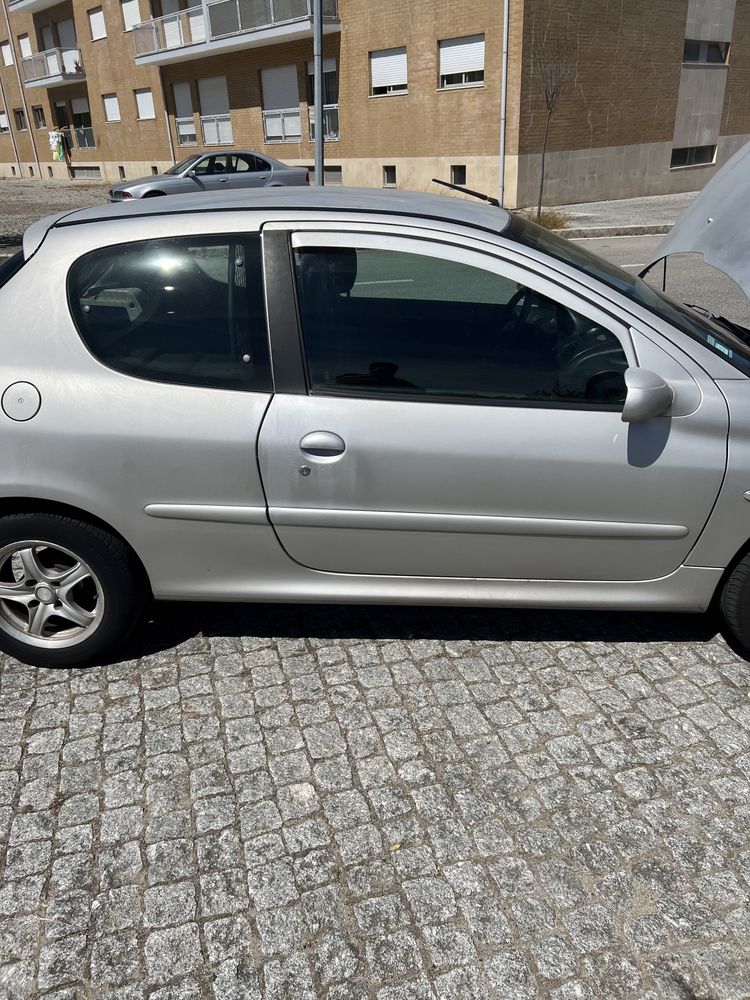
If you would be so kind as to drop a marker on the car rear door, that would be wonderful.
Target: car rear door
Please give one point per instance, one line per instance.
(456, 415)
(249, 171)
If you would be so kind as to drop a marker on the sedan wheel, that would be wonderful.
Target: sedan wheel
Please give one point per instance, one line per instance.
(68, 590)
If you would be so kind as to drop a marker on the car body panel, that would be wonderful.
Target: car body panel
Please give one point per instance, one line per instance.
(174, 468)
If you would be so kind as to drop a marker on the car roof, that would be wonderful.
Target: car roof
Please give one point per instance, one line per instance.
(439, 208)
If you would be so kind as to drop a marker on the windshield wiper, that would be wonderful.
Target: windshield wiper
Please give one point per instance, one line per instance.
(741, 332)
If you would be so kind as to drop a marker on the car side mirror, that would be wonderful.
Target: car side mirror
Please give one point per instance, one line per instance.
(191, 173)
(648, 395)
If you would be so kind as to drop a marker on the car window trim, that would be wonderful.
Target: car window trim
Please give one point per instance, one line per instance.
(301, 238)
(288, 369)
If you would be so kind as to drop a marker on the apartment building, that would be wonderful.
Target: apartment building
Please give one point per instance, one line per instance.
(655, 96)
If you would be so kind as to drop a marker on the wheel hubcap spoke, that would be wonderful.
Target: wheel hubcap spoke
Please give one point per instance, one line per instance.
(38, 619)
(69, 610)
(21, 593)
(32, 568)
(71, 578)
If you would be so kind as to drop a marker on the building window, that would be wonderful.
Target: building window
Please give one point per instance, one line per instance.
(461, 61)
(20, 118)
(131, 14)
(388, 72)
(4, 127)
(183, 114)
(50, 172)
(389, 176)
(154, 170)
(144, 101)
(282, 121)
(693, 156)
(40, 120)
(121, 172)
(96, 23)
(24, 45)
(111, 107)
(705, 52)
(458, 174)
(7, 53)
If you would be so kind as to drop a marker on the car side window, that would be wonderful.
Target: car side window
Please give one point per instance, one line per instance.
(204, 166)
(187, 310)
(383, 322)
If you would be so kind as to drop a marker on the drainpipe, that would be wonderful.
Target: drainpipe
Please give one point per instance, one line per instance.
(12, 134)
(318, 89)
(504, 100)
(166, 114)
(29, 123)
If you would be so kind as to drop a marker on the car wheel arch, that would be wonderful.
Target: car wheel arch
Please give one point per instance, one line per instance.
(34, 505)
(154, 194)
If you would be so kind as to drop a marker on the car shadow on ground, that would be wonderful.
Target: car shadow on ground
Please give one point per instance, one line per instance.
(171, 624)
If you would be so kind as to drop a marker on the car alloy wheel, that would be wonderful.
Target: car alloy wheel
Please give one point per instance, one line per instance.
(49, 597)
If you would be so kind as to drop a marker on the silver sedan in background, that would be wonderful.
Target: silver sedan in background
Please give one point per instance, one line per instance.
(213, 172)
(361, 396)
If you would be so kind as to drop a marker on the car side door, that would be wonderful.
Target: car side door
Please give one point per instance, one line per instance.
(249, 171)
(212, 173)
(459, 415)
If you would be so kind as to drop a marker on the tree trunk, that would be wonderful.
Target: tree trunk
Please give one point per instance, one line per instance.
(544, 157)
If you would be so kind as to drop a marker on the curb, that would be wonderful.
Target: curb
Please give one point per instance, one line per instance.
(594, 232)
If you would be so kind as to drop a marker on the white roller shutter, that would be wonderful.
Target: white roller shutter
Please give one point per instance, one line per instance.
(80, 106)
(280, 90)
(3, 122)
(111, 107)
(96, 21)
(212, 93)
(462, 55)
(388, 68)
(131, 14)
(7, 53)
(144, 100)
(25, 46)
(183, 100)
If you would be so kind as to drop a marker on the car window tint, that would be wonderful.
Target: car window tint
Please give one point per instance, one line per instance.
(243, 164)
(204, 166)
(187, 310)
(382, 322)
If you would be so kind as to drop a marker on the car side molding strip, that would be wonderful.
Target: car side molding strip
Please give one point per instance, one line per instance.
(481, 524)
(208, 512)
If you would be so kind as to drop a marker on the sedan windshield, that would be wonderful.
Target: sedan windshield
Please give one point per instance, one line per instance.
(716, 338)
(183, 164)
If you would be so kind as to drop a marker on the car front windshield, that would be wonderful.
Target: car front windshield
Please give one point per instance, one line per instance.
(715, 337)
(183, 164)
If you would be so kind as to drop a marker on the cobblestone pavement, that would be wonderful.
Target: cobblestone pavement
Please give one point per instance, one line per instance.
(404, 803)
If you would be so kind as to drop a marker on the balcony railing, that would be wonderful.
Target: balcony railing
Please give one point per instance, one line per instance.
(186, 134)
(223, 19)
(186, 27)
(64, 64)
(231, 17)
(217, 130)
(282, 125)
(330, 122)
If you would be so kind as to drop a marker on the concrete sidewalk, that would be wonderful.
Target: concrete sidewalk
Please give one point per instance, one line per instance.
(655, 214)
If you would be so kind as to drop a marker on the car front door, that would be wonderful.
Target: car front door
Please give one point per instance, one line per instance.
(212, 173)
(462, 417)
(249, 171)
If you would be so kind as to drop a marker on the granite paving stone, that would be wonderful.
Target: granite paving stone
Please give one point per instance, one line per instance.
(297, 803)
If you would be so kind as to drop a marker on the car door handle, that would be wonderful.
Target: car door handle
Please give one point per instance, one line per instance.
(322, 444)
(223, 180)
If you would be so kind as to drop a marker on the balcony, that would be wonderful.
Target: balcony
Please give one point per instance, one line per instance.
(30, 6)
(227, 26)
(52, 68)
(330, 122)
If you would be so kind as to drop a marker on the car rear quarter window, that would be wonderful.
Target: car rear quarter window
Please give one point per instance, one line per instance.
(187, 310)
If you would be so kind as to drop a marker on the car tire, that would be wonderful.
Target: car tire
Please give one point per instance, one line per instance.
(69, 591)
(734, 602)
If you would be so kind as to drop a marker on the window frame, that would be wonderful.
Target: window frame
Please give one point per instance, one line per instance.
(19, 114)
(138, 116)
(39, 108)
(228, 236)
(391, 89)
(463, 83)
(96, 10)
(692, 165)
(703, 46)
(107, 119)
(6, 48)
(495, 263)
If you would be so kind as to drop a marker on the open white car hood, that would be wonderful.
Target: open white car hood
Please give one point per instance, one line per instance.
(717, 224)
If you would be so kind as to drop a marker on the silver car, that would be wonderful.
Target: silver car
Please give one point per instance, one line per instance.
(203, 172)
(354, 396)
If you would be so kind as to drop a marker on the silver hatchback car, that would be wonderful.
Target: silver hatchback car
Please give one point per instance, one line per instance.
(354, 396)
